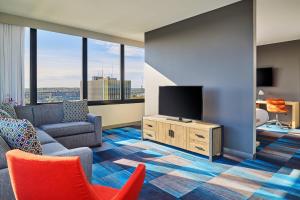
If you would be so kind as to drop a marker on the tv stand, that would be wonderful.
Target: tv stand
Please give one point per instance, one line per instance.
(196, 136)
(180, 119)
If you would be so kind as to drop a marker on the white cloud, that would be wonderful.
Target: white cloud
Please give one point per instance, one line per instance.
(134, 51)
(114, 48)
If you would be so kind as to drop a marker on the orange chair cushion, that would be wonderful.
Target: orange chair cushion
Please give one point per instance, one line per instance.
(36, 177)
(47, 177)
(276, 101)
(276, 105)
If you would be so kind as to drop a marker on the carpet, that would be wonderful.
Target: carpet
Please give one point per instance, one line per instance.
(274, 128)
(172, 173)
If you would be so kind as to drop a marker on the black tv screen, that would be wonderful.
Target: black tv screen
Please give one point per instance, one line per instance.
(264, 77)
(181, 101)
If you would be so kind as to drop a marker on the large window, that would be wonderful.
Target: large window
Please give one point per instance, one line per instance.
(65, 67)
(59, 67)
(134, 72)
(104, 81)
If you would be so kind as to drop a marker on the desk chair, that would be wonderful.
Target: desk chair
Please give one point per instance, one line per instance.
(36, 177)
(277, 106)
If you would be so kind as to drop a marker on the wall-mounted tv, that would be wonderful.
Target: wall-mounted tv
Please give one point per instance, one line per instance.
(264, 77)
(181, 101)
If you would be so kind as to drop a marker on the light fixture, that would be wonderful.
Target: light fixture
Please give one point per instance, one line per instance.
(260, 94)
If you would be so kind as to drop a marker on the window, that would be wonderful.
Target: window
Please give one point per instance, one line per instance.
(59, 67)
(66, 67)
(27, 65)
(104, 81)
(134, 73)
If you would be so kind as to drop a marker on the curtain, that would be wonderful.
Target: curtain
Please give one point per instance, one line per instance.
(12, 63)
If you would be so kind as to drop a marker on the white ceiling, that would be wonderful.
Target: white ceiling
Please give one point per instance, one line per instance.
(277, 20)
(123, 18)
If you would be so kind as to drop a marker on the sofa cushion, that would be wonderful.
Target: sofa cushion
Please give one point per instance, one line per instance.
(20, 134)
(51, 148)
(25, 112)
(75, 111)
(9, 108)
(68, 128)
(48, 114)
(43, 137)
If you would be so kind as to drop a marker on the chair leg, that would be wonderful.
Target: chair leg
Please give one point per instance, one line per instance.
(270, 122)
(277, 123)
(281, 125)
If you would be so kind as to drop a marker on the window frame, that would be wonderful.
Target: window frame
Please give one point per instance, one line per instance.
(33, 74)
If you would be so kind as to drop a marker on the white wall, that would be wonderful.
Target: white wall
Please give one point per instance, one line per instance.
(152, 80)
(116, 114)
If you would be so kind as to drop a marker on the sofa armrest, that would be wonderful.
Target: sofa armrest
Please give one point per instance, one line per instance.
(97, 121)
(86, 158)
(3, 163)
(3, 149)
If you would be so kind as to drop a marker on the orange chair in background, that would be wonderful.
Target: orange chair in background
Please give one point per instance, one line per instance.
(276, 106)
(36, 177)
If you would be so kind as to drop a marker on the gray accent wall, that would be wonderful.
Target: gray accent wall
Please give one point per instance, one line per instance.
(285, 59)
(216, 50)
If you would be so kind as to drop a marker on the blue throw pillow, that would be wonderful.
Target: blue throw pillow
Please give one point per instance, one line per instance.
(9, 108)
(20, 134)
(75, 111)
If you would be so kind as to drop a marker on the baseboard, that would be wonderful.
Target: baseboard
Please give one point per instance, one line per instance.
(238, 154)
(137, 123)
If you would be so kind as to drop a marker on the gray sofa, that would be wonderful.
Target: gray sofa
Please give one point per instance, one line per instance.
(57, 138)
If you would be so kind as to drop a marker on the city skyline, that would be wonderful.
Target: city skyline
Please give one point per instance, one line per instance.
(59, 60)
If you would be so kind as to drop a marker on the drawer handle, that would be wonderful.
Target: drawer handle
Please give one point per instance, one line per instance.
(171, 133)
(149, 134)
(199, 148)
(149, 125)
(200, 136)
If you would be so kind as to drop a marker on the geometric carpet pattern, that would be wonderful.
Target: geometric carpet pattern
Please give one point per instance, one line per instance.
(274, 128)
(173, 173)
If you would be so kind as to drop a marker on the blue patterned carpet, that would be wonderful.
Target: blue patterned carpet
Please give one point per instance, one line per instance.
(176, 174)
(274, 128)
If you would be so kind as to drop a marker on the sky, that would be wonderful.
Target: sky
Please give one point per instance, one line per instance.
(59, 60)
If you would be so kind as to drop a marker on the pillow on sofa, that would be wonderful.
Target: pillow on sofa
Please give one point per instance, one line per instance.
(75, 111)
(20, 134)
(4, 114)
(9, 108)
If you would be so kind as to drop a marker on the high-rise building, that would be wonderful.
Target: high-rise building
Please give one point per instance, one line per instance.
(106, 88)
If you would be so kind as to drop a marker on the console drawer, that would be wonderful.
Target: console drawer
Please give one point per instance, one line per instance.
(198, 135)
(198, 147)
(149, 134)
(149, 125)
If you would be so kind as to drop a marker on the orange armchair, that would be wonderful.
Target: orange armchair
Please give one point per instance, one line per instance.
(36, 177)
(276, 106)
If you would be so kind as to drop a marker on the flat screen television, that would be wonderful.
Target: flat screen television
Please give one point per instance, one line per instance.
(264, 77)
(181, 101)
